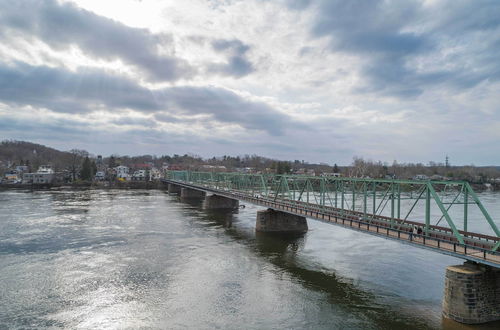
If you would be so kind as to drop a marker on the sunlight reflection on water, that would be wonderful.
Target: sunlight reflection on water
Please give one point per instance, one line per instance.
(131, 259)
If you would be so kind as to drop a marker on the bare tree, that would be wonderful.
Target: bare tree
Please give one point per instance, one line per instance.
(76, 159)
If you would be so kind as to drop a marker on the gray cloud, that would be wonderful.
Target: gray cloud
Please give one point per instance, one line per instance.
(90, 89)
(226, 106)
(383, 34)
(71, 92)
(167, 118)
(238, 65)
(63, 127)
(64, 25)
(297, 4)
(144, 122)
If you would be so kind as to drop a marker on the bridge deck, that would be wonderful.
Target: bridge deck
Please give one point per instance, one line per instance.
(477, 246)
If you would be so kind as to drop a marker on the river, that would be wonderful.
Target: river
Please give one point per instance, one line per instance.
(143, 259)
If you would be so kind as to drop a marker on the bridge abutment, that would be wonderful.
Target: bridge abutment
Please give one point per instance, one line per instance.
(174, 189)
(191, 193)
(472, 293)
(220, 202)
(280, 222)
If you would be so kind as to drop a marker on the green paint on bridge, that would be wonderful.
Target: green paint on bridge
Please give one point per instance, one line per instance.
(371, 202)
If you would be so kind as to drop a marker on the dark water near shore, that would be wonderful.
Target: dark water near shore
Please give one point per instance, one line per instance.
(143, 259)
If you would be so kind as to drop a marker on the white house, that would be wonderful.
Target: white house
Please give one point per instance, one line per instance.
(155, 174)
(331, 174)
(140, 175)
(122, 172)
(45, 174)
(22, 168)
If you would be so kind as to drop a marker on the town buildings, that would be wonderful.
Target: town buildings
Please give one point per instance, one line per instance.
(44, 175)
(13, 176)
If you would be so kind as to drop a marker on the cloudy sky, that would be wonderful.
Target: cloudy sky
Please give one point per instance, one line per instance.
(320, 81)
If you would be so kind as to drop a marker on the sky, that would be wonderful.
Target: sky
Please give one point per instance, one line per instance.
(320, 81)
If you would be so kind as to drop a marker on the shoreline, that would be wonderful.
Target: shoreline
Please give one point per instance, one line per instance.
(87, 185)
(478, 187)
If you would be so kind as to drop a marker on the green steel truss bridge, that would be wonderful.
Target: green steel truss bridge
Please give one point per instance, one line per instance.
(384, 208)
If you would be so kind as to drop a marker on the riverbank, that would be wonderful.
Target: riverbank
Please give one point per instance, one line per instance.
(89, 185)
(478, 187)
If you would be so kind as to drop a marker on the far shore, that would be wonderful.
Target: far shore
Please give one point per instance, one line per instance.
(478, 187)
(87, 185)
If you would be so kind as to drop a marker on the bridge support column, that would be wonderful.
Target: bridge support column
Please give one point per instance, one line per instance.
(174, 189)
(220, 202)
(472, 293)
(275, 221)
(192, 193)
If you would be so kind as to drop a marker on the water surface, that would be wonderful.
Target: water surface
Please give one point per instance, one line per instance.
(143, 259)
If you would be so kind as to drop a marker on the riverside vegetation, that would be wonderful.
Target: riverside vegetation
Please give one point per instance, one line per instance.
(80, 165)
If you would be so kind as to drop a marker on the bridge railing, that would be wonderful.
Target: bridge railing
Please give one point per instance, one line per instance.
(398, 201)
(443, 243)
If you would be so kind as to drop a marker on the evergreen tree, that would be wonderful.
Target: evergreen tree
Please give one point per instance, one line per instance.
(283, 167)
(94, 168)
(86, 171)
(287, 167)
(335, 168)
(279, 168)
(112, 162)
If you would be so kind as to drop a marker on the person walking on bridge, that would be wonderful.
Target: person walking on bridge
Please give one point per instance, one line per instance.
(410, 234)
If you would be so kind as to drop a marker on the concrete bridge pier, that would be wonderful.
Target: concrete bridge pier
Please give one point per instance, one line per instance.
(174, 189)
(219, 202)
(472, 293)
(280, 222)
(189, 193)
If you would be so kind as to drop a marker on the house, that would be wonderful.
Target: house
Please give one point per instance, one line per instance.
(100, 176)
(300, 171)
(214, 168)
(175, 167)
(331, 175)
(245, 169)
(140, 175)
(145, 166)
(22, 168)
(420, 177)
(155, 174)
(122, 172)
(44, 175)
(12, 176)
(303, 171)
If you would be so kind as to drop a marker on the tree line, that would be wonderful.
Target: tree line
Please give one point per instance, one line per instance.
(80, 163)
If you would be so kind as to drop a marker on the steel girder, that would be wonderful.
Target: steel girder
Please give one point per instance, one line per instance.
(372, 197)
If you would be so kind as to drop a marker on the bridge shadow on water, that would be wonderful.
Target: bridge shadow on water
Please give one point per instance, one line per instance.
(283, 252)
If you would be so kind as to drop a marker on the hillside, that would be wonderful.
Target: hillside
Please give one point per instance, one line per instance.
(27, 153)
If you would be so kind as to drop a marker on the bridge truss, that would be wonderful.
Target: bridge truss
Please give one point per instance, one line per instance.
(435, 206)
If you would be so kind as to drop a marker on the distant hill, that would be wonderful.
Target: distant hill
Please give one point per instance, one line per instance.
(32, 154)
